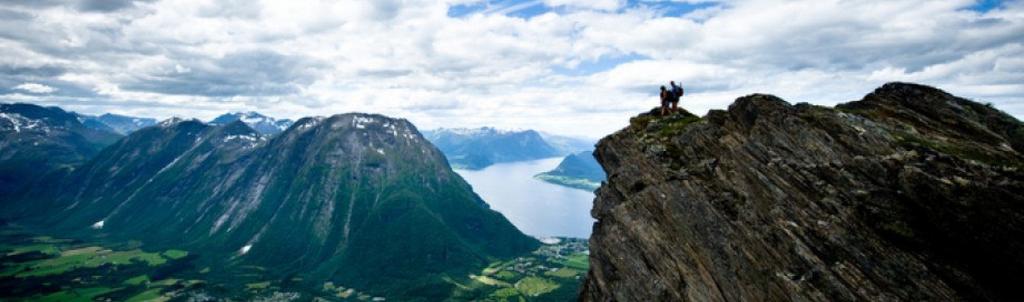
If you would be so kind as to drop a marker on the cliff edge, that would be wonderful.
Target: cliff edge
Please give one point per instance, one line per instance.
(908, 194)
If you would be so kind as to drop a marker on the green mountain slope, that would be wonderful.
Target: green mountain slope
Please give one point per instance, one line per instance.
(362, 200)
(577, 170)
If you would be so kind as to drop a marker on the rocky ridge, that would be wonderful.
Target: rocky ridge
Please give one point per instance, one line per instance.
(908, 194)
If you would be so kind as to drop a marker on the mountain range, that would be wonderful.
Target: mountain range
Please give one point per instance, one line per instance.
(481, 147)
(37, 140)
(465, 148)
(362, 200)
(568, 144)
(120, 124)
(124, 125)
(263, 124)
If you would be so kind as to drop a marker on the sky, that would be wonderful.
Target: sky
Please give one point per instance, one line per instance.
(572, 67)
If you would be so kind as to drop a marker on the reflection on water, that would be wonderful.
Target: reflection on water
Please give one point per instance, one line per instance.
(537, 208)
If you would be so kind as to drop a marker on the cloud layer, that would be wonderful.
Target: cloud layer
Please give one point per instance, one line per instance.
(564, 66)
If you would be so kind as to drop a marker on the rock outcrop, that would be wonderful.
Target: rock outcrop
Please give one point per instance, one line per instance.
(911, 194)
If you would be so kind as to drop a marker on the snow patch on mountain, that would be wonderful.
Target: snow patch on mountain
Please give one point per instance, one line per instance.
(253, 118)
(360, 122)
(250, 140)
(171, 121)
(19, 123)
(311, 122)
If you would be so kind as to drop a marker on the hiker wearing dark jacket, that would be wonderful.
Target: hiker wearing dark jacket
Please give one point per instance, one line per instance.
(677, 93)
(666, 98)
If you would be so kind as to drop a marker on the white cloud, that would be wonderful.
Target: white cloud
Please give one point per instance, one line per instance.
(410, 59)
(35, 88)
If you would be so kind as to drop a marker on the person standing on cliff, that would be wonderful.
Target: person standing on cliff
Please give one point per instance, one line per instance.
(677, 93)
(666, 98)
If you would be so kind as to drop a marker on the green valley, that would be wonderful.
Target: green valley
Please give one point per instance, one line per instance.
(35, 267)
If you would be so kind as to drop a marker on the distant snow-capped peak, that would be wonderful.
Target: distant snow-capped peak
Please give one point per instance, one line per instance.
(262, 123)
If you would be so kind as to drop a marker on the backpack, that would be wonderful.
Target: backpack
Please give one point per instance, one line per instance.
(677, 91)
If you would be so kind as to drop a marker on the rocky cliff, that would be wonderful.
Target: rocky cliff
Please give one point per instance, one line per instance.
(908, 194)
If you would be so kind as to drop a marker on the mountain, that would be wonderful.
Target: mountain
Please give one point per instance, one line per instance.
(120, 124)
(482, 147)
(910, 194)
(360, 200)
(93, 123)
(578, 170)
(568, 144)
(37, 140)
(261, 123)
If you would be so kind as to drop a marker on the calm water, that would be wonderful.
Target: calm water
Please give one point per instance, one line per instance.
(537, 208)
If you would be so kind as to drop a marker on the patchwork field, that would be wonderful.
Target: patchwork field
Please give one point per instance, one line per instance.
(551, 273)
(42, 268)
(35, 267)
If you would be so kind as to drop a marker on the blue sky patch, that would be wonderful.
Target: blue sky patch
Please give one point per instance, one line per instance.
(515, 8)
(603, 63)
(671, 8)
(983, 6)
(529, 8)
(461, 10)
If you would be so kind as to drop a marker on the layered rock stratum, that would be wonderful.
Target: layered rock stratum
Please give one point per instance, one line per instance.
(910, 194)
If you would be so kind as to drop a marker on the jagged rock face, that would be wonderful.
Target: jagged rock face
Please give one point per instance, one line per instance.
(361, 199)
(909, 194)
